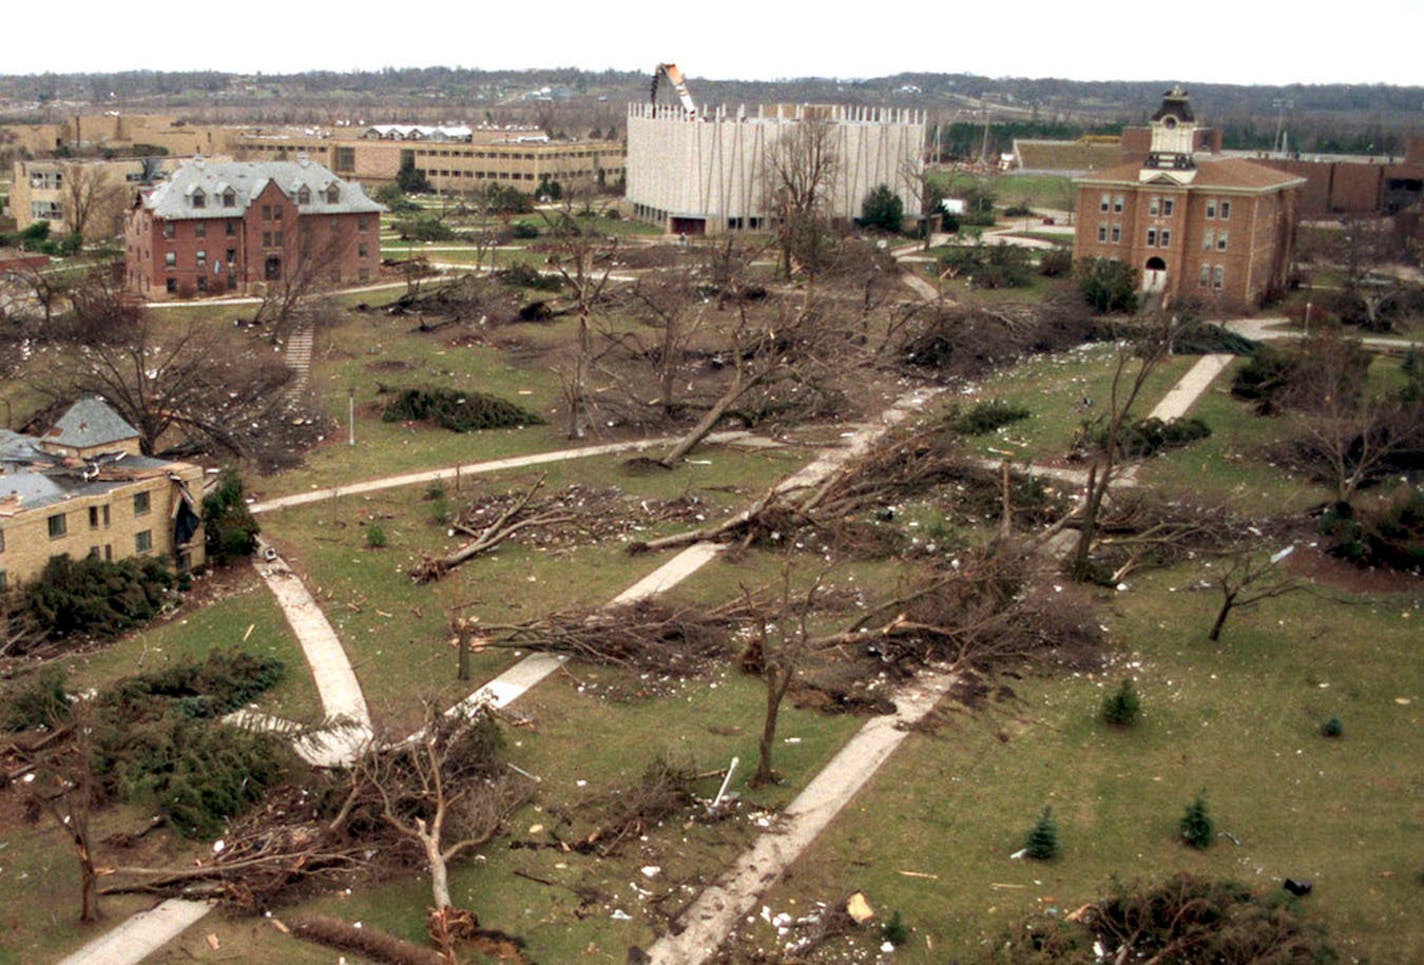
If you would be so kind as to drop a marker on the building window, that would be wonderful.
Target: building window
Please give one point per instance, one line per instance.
(141, 504)
(202, 257)
(344, 158)
(277, 239)
(1208, 240)
(1102, 232)
(362, 224)
(1154, 206)
(1211, 207)
(276, 212)
(266, 239)
(171, 284)
(1164, 240)
(1116, 233)
(231, 228)
(1117, 201)
(1218, 277)
(1225, 210)
(168, 229)
(1152, 237)
(2, 541)
(230, 256)
(4, 583)
(1204, 278)
(170, 259)
(229, 198)
(202, 283)
(362, 250)
(333, 194)
(200, 200)
(304, 195)
(56, 526)
(1167, 205)
(266, 212)
(364, 274)
(200, 229)
(143, 541)
(1221, 241)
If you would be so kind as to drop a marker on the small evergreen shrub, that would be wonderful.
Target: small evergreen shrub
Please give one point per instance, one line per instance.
(1018, 211)
(894, 930)
(1042, 841)
(1211, 339)
(1198, 829)
(1122, 707)
(987, 416)
(524, 231)
(38, 700)
(375, 536)
(1332, 728)
(231, 532)
(457, 411)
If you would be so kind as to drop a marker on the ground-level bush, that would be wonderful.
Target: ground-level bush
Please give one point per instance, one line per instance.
(987, 416)
(38, 700)
(1122, 707)
(99, 597)
(457, 411)
(1147, 437)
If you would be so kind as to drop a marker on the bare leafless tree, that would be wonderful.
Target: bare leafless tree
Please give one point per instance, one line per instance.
(799, 169)
(91, 200)
(1133, 366)
(1250, 579)
(577, 260)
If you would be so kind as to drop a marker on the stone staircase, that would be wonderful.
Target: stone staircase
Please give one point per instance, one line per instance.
(298, 358)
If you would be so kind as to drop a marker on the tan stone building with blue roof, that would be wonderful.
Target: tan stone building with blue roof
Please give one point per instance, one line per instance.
(84, 489)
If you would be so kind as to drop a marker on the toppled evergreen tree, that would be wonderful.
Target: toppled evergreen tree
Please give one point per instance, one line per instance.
(96, 596)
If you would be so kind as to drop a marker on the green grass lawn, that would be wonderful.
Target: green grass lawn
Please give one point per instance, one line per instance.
(1035, 190)
(1240, 719)
(395, 632)
(246, 616)
(1052, 388)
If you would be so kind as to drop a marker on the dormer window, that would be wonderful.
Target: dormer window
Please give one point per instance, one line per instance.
(229, 198)
(200, 200)
(333, 194)
(304, 195)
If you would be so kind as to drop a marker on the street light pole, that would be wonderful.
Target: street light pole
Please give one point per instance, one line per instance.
(351, 415)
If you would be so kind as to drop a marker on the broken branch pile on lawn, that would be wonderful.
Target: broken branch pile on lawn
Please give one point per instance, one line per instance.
(625, 813)
(645, 637)
(894, 470)
(461, 299)
(576, 515)
(1139, 530)
(420, 803)
(962, 340)
(989, 609)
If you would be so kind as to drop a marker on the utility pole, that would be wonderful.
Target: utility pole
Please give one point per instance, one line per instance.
(1281, 104)
(351, 415)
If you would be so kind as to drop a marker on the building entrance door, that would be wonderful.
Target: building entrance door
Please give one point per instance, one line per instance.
(1154, 275)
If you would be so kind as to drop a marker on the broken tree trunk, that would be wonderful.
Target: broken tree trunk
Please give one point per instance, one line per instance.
(431, 569)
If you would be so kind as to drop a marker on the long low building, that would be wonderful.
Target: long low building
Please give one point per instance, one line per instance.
(705, 173)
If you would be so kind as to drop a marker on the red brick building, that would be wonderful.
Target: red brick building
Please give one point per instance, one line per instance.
(1192, 223)
(220, 226)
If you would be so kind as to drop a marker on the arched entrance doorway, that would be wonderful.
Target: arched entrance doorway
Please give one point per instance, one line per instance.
(1154, 275)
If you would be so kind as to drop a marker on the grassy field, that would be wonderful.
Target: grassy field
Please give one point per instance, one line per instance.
(1240, 718)
(1052, 388)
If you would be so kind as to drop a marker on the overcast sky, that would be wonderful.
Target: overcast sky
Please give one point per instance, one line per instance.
(1230, 41)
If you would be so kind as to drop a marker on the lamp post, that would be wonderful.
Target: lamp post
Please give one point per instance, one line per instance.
(351, 415)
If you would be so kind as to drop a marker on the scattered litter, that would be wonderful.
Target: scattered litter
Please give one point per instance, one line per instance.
(919, 874)
(212, 940)
(887, 947)
(859, 909)
(651, 871)
(535, 828)
(218, 846)
(620, 915)
(1021, 852)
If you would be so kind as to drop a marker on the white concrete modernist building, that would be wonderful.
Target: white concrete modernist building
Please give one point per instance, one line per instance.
(705, 173)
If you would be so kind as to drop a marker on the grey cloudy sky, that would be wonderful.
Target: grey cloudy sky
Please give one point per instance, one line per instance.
(1232, 41)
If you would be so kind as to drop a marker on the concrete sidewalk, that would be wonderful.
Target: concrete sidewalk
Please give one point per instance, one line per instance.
(709, 919)
(478, 468)
(142, 935)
